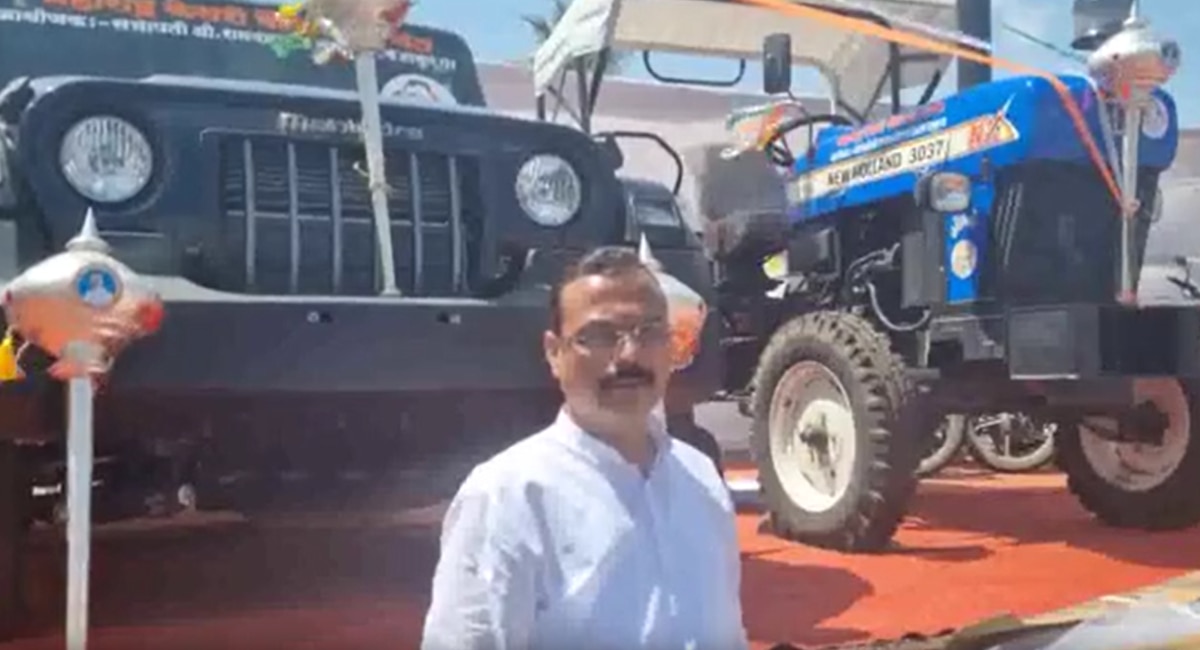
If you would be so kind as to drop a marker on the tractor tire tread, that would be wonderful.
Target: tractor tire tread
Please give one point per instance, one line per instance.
(886, 392)
(1173, 505)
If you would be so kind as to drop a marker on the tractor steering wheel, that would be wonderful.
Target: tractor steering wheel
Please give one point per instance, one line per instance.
(777, 148)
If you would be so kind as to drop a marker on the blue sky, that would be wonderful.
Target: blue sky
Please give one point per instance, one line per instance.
(496, 33)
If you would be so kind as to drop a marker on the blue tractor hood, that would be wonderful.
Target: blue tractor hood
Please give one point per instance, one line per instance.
(976, 132)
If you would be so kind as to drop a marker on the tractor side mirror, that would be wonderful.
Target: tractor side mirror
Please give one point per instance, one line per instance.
(777, 64)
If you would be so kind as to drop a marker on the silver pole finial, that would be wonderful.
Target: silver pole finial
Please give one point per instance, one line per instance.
(88, 238)
(646, 255)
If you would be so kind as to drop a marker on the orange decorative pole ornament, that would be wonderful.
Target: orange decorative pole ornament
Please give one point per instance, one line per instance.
(1128, 68)
(81, 306)
(686, 310)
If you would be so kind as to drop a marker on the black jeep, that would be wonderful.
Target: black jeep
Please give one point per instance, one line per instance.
(236, 179)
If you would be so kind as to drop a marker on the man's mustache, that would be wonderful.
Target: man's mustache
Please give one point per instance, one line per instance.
(626, 375)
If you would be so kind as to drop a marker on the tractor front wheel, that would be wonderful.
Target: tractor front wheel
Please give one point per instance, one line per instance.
(834, 436)
(1141, 485)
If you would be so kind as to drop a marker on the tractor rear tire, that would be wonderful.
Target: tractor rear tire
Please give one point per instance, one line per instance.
(882, 431)
(1147, 487)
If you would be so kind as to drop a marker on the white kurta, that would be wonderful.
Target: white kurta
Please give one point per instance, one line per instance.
(559, 542)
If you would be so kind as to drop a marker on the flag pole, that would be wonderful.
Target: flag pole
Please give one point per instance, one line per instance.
(372, 132)
(354, 30)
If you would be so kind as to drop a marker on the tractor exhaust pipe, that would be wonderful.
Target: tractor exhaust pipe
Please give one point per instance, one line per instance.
(975, 20)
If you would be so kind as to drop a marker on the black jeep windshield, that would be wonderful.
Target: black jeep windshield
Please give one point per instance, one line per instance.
(138, 38)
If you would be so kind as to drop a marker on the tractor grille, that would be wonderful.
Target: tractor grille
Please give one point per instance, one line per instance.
(1058, 235)
(298, 217)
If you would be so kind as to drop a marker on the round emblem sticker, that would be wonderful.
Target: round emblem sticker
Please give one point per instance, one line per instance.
(963, 258)
(1156, 119)
(418, 88)
(98, 287)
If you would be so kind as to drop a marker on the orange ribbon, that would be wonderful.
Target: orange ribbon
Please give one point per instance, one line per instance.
(917, 41)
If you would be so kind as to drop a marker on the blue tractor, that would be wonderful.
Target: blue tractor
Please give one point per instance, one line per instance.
(973, 254)
(881, 265)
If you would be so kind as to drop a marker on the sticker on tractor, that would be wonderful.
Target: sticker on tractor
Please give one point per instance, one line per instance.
(955, 142)
(958, 224)
(963, 259)
(880, 141)
(1156, 119)
(870, 131)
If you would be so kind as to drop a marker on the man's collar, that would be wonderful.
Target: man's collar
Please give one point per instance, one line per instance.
(593, 446)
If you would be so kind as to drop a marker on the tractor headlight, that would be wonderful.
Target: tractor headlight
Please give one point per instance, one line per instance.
(949, 192)
(549, 190)
(106, 159)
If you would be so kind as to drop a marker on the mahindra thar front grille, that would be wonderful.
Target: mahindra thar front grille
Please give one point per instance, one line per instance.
(298, 216)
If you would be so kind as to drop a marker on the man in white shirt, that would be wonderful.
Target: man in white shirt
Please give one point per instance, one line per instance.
(600, 532)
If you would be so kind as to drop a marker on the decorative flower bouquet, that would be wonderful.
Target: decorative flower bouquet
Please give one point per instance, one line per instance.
(335, 31)
(753, 127)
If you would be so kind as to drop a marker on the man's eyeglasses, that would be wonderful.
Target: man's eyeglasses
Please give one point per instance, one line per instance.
(605, 338)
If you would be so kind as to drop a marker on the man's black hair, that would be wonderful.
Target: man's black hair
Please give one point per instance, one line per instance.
(608, 261)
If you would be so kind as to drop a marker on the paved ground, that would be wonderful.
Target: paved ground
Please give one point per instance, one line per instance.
(976, 545)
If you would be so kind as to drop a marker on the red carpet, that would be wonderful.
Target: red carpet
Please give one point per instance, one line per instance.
(975, 546)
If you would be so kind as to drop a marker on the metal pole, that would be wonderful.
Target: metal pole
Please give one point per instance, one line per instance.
(98, 305)
(79, 508)
(368, 94)
(974, 19)
(1130, 139)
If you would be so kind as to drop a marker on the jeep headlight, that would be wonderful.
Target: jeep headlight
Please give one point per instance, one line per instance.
(548, 190)
(106, 159)
(949, 192)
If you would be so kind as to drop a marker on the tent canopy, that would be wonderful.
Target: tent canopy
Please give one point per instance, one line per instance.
(855, 65)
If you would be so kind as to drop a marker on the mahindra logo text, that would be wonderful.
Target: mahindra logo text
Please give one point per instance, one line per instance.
(296, 123)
